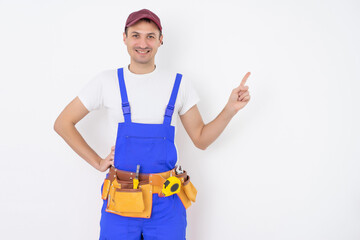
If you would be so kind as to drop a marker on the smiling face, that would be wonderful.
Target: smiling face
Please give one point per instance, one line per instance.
(142, 41)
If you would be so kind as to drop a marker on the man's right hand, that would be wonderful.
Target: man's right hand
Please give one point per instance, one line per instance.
(108, 161)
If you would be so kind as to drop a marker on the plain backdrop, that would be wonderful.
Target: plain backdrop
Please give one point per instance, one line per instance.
(286, 167)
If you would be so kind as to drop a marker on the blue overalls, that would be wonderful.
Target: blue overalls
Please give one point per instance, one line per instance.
(152, 147)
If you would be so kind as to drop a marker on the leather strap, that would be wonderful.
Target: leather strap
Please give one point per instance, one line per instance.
(157, 179)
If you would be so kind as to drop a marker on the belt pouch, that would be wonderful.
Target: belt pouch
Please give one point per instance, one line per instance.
(125, 200)
(187, 192)
(106, 188)
(184, 199)
(107, 183)
(189, 189)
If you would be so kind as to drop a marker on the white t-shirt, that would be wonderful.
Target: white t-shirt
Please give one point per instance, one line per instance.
(148, 95)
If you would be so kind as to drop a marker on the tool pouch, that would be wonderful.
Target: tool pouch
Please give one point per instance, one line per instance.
(187, 193)
(105, 189)
(124, 200)
(189, 189)
(107, 183)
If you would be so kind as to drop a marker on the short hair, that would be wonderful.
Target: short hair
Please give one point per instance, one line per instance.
(146, 20)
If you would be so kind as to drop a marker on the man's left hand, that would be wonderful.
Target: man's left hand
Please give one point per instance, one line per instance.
(239, 97)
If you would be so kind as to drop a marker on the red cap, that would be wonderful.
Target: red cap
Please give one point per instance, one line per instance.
(144, 13)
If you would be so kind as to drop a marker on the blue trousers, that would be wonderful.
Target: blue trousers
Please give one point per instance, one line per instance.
(167, 222)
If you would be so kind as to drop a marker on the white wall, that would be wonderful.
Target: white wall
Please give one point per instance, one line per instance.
(286, 167)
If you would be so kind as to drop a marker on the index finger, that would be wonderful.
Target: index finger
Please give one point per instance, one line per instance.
(243, 81)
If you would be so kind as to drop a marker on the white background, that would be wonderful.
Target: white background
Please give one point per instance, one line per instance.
(286, 167)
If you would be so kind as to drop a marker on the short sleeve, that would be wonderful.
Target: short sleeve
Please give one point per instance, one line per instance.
(91, 94)
(188, 95)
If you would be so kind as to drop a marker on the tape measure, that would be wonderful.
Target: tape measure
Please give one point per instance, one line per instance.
(171, 186)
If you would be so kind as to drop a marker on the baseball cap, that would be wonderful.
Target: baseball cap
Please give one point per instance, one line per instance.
(143, 13)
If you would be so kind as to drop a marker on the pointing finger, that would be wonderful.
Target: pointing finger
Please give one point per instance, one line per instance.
(243, 81)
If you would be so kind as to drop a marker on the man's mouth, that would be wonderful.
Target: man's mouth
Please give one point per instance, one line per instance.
(142, 52)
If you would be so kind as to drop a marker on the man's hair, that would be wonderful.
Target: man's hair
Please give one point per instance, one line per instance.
(143, 19)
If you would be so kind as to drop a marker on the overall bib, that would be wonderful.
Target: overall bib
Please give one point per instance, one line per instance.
(152, 147)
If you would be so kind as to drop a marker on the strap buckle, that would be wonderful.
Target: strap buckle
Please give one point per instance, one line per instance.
(126, 108)
(169, 110)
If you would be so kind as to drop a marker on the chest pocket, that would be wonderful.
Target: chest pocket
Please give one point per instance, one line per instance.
(144, 149)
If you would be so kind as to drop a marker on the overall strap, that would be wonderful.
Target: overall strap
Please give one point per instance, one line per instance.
(124, 99)
(171, 105)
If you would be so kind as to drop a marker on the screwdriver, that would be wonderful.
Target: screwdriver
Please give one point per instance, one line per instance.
(136, 179)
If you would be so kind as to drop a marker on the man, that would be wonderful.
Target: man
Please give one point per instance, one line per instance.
(145, 139)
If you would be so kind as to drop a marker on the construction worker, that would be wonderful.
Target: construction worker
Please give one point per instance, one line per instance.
(144, 100)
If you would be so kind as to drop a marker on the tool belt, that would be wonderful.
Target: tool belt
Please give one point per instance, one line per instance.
(126, 201)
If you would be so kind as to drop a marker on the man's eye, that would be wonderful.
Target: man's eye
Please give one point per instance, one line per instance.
(151, 36)
(135, 36)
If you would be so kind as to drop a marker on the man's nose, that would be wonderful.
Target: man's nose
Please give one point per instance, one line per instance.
(142, 43)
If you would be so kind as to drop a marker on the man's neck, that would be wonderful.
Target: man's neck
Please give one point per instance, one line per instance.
(141, 68)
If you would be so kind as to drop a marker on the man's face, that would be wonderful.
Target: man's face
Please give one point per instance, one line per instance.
(142, 41)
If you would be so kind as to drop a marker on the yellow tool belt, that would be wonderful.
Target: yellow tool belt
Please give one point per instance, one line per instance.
(126, 201)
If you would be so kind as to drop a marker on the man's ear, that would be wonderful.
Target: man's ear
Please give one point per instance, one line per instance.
(124, 37)
(161, 40)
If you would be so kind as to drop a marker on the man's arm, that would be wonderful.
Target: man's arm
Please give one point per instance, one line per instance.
(65, 127)
(203, 135)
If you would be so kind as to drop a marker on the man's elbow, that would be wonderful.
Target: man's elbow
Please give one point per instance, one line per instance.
(59, 125)
(200, 146)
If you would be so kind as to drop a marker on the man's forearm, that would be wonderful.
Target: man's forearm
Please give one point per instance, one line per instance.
(74, 139)
(213, 129)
